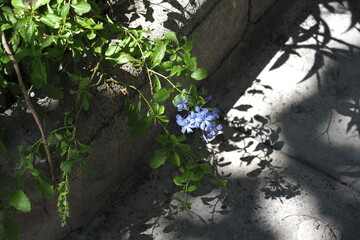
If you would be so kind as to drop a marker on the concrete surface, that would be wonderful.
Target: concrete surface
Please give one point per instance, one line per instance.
(290, 143)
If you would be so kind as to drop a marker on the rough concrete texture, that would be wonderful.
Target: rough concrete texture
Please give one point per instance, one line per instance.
(215, 24)
(314, 94)
(257, 8)
(289, 142)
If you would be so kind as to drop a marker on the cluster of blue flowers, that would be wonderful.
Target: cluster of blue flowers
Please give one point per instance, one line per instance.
(202, 118)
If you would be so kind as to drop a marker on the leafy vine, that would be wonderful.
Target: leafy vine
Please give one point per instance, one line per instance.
(46, 38)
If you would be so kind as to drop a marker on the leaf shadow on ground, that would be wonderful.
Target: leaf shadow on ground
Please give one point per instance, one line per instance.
(148, 212)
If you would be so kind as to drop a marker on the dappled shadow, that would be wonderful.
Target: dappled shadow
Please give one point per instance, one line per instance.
(238, 212)
(317, 36)
(173, 15)
(256, 138)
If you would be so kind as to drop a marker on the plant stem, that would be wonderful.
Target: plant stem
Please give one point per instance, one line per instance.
(166, 78)
(133, 87)
(147, 69)
(29, 104)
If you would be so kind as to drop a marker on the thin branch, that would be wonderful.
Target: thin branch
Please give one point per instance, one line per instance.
(29, 104)
(143, 57)
(166, 78)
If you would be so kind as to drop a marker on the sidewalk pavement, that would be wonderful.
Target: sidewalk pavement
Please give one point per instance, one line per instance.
(290, 147)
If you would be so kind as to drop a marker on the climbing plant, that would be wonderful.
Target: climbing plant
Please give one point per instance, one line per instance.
(42, 44)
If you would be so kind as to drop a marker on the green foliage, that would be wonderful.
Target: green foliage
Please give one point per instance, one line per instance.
(48, 38)
(20, 201)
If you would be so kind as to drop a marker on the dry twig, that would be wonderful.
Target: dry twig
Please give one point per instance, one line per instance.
(29, 104)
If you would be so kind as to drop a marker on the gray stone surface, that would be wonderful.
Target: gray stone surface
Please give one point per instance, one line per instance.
(270, 197)
(289, 146)
(258, 8)
(311, 91)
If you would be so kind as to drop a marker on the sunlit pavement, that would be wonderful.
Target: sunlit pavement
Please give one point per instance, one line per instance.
(290, 147)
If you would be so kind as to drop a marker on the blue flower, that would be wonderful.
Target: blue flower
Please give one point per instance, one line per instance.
(184, 123)
(202, 118)
(181, 104)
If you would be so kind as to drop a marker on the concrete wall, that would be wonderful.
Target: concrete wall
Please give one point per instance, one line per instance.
(217, 27)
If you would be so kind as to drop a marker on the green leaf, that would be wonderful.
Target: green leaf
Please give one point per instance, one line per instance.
(19, 4)
(85, 96)
(20, 201)
(191, 188)
(38, 74)
(206, 167)
(178, 180)
(188, 46)
(11, 228)
(167, 65)
(112, 49)
(22, 52)
(91, 35)
(162, 95)
(161, 110)
(3, 149)
(39, 3)
(222, 183)
(184, 147)
(64, 11)
(59, 136)
(163, 118)
(53, 92)
(172, 36)
(54, 52)
(173, 57)
(5, 27)
(30, 32)
(175, 159)
(191, 62)
(48, 21)
(84, 147)
(174, 140)
(191, 165)
(67, 166)
(84, 82)
(47, 41)
(181, 138)
(163, 139)
(123, 58)
(159, 158)
(81, 7)
(197, 176)
(21, 23)
(157, 83)
(176, 69)
(8, 14)
(199, 74)
(157, 55)
(44, 186)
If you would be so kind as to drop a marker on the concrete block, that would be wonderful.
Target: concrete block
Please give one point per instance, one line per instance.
(312, 96)
(258, 8)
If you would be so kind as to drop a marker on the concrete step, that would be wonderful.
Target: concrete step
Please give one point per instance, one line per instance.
(310, 89)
